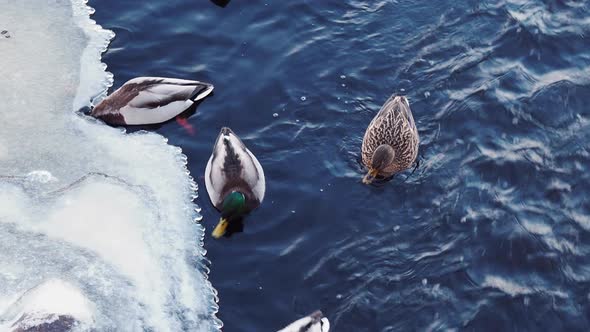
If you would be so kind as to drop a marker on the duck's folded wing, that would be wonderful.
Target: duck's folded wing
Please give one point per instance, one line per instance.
(389, 105)
(173, 88)
(256, 177)
(396, 106)
(252, 172)
(408, 122)
(155, 112)
(404, 109)
(215, 180)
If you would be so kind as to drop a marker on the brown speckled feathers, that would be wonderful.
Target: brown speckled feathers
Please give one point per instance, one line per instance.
(393, 125)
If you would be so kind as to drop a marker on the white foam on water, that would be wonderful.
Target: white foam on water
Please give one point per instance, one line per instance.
(107, 213)
(514, 289)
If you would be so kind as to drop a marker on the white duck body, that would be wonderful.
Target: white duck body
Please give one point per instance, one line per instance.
(150, 100)
(316, 322)
(232, 167)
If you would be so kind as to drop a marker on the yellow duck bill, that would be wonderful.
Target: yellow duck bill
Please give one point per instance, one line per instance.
(370, 176)
(220, 228)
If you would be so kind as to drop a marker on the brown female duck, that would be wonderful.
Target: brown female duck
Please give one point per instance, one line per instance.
(390, 144)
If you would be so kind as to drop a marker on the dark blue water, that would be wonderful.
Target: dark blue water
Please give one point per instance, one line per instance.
(492, 232)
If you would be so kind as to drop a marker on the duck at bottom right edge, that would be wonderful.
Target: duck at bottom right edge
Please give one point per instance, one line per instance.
(390, 144)
(315, 322)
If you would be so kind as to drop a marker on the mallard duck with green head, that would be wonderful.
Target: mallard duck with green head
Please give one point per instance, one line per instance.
(234, 179)
(390, 144)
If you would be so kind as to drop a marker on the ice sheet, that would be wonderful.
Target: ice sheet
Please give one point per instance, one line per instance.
(108, 213)
(53, 303)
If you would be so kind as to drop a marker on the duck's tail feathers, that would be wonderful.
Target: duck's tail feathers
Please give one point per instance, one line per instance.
(201, 91)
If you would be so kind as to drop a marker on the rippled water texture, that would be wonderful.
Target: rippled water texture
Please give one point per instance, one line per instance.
(492, 232)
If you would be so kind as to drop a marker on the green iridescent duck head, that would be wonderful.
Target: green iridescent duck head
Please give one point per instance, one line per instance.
(234, 207)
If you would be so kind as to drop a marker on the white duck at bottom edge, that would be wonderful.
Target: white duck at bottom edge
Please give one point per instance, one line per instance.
(316, 322)
(150, 100)
(234, 179)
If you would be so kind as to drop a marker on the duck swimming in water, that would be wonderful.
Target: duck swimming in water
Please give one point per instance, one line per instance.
(316, 322)
(234, 179)
(150, 100)
(390, 144)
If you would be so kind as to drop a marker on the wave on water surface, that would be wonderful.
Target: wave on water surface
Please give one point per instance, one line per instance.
(90, 237)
